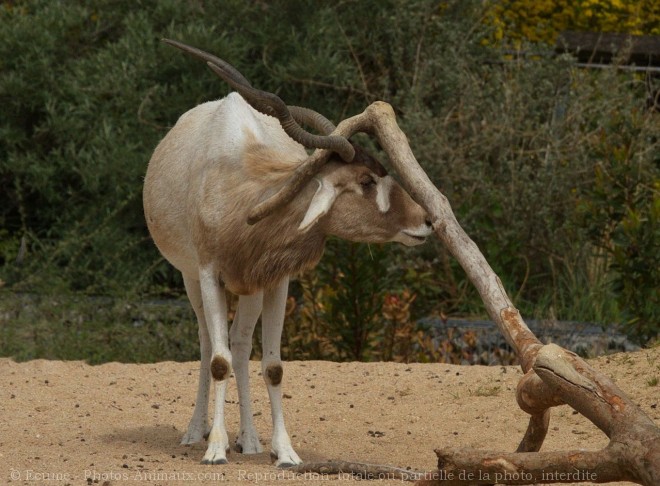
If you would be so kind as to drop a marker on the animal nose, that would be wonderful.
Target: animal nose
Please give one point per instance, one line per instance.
(428, 222)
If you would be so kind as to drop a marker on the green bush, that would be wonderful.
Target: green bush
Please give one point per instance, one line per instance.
(553, 171)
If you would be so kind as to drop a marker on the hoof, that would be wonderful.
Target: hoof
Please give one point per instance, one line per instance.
(221, 460)
(193, 436)
(188, 440)
(248, 443)
(285, 462)
(212, 457)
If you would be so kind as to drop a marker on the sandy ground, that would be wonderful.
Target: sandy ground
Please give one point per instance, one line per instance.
(71, 423)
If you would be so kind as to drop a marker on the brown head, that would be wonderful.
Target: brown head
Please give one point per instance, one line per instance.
(355, 202)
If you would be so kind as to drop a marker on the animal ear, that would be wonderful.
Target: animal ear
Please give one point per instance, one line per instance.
(321, 203)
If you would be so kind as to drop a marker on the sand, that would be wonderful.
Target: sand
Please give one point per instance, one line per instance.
(114, 424)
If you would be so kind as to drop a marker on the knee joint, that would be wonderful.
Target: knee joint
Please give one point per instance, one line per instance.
(273, 374)
(220, 368)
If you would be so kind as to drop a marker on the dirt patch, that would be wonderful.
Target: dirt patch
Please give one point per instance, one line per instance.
(71, 423)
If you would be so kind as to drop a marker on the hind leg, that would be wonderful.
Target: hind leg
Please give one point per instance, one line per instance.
(249, 308)
(198, 426)
(215, 311)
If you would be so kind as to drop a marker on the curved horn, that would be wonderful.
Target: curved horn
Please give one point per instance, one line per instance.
(313, 119)
(305, 171)
(269, 104)
(193, 51)
(290, 117)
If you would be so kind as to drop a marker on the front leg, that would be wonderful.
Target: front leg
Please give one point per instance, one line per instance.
(274, 306)
(218, 447)
(215, 311)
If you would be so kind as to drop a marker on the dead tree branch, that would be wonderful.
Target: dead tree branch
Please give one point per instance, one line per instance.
(553, 376)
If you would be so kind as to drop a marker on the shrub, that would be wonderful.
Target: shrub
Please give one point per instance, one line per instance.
(541, 21)
(553, 171)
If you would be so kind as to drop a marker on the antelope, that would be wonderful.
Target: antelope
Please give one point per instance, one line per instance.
(225, 165)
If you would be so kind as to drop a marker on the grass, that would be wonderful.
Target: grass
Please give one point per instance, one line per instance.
(626, 359)
(103, 329)
(96, 330)
(487, 391)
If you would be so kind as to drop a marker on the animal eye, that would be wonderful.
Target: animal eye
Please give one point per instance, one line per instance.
(367, 181)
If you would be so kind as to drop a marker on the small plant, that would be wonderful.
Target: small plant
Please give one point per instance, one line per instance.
(653, 381)
(398, 334)
(487, 391)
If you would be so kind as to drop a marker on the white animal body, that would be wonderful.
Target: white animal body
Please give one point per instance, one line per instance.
(220, 160)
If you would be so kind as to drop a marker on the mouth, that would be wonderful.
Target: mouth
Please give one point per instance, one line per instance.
(414, 237)
(417, 238)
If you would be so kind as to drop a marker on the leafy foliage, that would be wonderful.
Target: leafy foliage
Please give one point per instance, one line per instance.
(553, 171)
(541, 21)
(621, 211)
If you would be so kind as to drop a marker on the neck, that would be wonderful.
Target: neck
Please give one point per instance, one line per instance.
(259, 256)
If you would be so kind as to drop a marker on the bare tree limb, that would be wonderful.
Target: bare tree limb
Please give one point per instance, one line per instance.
(534, 395)
(473, 467)
(537, 429)
(553, 376)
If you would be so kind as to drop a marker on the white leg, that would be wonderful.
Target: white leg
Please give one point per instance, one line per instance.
(198, 425)
(218, 448)
(249, 308)
(215, 311)
(272, 322)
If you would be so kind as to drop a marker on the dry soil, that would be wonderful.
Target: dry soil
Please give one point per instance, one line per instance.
(114, 424)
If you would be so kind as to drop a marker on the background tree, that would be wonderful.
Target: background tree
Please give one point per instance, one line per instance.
(554, 171)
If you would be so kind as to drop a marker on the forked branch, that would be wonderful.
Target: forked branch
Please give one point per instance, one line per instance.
(561, 376)
(553, 376)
